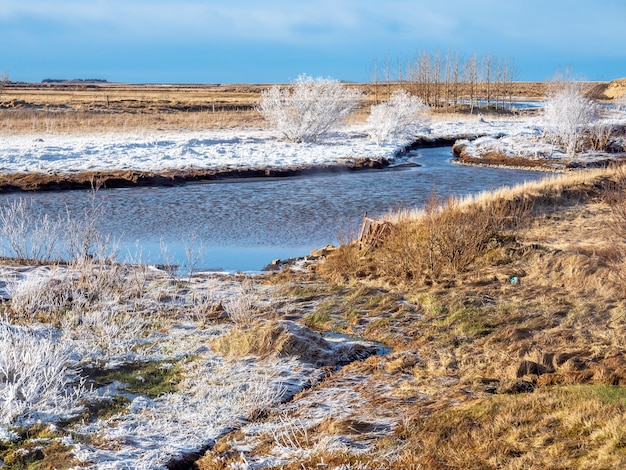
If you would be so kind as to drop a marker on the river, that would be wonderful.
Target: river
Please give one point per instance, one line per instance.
(243, 225)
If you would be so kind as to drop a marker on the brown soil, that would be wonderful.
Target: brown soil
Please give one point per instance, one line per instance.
(10, 182)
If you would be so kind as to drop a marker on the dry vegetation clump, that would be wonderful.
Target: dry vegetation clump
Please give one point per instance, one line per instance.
(285, 338)
(616, 197)
(445, 239)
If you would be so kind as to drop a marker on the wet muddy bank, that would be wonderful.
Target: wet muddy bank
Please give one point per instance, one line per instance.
(17, 182)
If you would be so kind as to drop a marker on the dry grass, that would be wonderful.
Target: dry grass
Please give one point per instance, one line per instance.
(540, 310)
(110, 107)
(557, 428)
(98, 107)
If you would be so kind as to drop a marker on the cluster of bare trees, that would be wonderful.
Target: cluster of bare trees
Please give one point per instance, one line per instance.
(450, 81)
(4, 79)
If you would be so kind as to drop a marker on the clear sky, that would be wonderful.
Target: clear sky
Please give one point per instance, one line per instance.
(274, 41)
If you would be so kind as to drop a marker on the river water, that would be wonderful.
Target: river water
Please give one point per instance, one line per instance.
(244, 225)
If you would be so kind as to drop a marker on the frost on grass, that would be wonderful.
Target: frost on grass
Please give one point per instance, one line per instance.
(38, 380)
(104, 330)
(214, 398)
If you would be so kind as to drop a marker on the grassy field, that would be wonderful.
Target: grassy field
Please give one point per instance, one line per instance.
(97, 107)
(505, 313)
(502, 317)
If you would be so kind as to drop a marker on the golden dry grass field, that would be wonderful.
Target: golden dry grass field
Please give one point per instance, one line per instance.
(98, 107)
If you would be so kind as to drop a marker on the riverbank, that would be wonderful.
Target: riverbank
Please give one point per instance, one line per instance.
(57, 161)
(13, 182)
(233, 369)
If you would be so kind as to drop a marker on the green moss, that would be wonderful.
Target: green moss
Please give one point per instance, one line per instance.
(151, 379)
(468, 321)
(317, 320)
(608, 394)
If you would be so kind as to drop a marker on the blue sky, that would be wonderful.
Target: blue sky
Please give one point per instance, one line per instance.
(274, 41)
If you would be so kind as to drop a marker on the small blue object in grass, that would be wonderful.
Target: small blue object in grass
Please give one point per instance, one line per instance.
(514, 280)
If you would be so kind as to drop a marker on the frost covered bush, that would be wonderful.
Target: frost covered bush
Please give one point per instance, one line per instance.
(401, 116)
(27, 234)
(37, 379)
(309, 108)
(567, 116)
(38, 294)
(24, 234)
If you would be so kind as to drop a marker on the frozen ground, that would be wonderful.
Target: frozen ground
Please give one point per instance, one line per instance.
(178, 150)
(251, 148)
(232, 148)
(165, 321)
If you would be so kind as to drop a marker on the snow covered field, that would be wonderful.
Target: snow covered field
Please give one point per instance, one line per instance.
(250, 148)
(178, 150)
(215, 149)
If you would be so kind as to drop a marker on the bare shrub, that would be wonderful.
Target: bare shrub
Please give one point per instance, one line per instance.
(567, 116)
(309, 108)
(76, 288)
(599, 136)
(39, 297)
(26, 235)
(194, 252)
(84, 240)
(402, 116)
(445, 238)
(36, 377)
(241, 308)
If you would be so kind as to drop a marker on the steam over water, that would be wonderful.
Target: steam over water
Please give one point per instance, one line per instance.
(243, 225)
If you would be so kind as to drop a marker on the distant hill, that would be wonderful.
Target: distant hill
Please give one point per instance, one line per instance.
(74, 80)
(607, 90)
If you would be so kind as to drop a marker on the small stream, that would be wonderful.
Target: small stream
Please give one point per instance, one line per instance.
(243, 225)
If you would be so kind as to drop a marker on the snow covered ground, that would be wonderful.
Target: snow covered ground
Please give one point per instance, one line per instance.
(213, 149)
(178, 150)
(249, 148)
(167, 321)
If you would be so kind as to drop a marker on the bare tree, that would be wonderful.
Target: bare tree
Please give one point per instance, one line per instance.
(488, 77)
(4, 80)
(375, 79)
(471, 78)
